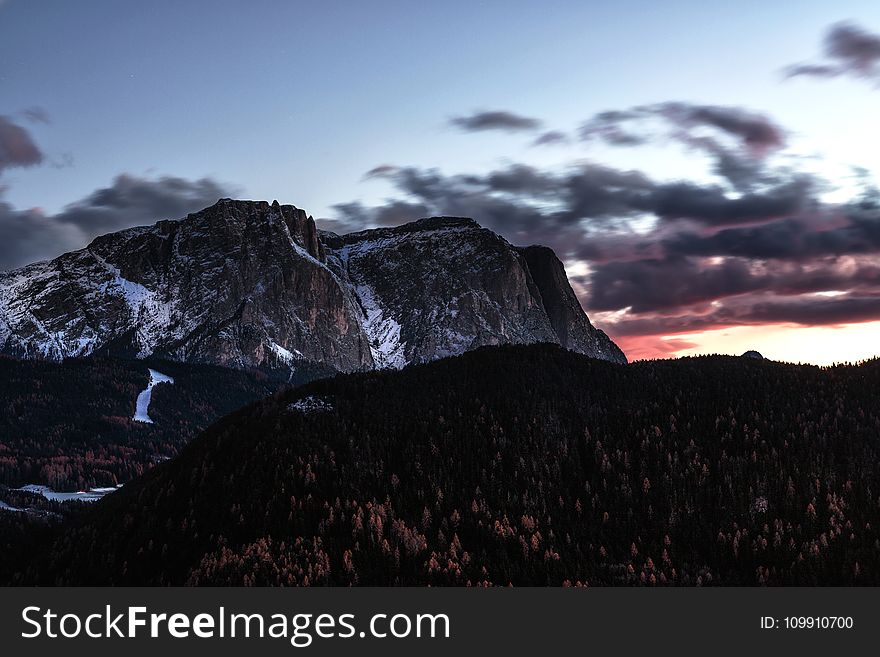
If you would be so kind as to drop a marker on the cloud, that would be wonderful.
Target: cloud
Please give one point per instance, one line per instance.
(519, 179)
(29, 235)
(644, 331)
(63, 161)
(671, 258)
(36, 114)
(551, 138)
(654, 261)
(788, 239)
(848, 50)
(610, 127)
(739, 140)
(655, 284)
(495, 120)
(133, 201)
(711, 206)
(17, 148)
(352, 217)
(530, 203)
(809, 312)
(673, 282)
(680, 121)
(754, 131)
(380, 171)
(812, 70)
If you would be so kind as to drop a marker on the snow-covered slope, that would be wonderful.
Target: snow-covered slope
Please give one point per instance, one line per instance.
(253, 284)
(142, 405)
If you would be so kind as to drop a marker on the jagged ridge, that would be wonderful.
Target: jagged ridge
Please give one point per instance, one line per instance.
(253, 284)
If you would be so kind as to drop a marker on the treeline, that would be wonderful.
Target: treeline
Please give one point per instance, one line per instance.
(68, 425)
(513, 465)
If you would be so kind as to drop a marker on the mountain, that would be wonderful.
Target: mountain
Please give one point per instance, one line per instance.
(247, 284)
(527, 465)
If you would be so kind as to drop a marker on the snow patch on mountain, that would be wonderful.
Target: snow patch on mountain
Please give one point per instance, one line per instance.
(150, 314)
(382, 331)
(285, 355)
(15, 309)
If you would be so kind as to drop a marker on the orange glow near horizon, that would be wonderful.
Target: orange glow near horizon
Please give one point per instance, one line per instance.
(819, 345)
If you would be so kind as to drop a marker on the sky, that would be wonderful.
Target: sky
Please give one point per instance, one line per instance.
(706, 172)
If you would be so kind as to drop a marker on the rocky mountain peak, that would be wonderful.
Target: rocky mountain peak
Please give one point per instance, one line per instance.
(245, 214)
(254, 284)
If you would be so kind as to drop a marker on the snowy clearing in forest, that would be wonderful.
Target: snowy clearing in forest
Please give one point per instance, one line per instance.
(311, 404)
(91, 495)
(143, 401)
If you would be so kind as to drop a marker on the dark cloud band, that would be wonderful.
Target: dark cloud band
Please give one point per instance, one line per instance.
(849, 50)
(495, 120)
(30, 235)
(17, 148)
(708, 258)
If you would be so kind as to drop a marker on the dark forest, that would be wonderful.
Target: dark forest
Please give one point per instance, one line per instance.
(510, 465)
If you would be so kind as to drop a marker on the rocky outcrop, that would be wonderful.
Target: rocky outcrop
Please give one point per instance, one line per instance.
(568, 319)
(253, 284)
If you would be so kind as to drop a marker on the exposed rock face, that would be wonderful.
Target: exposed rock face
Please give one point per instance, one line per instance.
(238, 284)
(568, 319)
(249, 284)
(751, 353)
(439, 287)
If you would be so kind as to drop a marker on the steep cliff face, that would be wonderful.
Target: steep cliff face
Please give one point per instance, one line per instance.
(249, 284)
(439, 287)
(568, 319)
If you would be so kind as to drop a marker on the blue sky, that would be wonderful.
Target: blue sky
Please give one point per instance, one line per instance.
(296, 101)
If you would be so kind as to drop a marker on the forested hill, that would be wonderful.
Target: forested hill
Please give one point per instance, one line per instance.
(69, 425)
(522, 465)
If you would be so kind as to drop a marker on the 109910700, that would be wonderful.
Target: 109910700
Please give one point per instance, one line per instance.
(808, 623)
